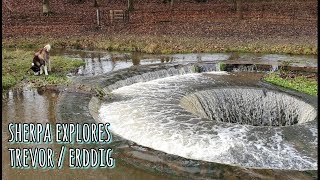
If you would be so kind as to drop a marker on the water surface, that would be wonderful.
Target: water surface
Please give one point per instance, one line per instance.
(39, 106)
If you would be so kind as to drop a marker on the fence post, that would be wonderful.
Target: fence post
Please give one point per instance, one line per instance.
(263, 9)
(111, 16)
(127, 15)
(294, 13)
(172, 13)
(239, 9)
(98, 17)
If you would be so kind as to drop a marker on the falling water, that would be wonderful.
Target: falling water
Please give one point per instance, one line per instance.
(148, 76)
(257, 107)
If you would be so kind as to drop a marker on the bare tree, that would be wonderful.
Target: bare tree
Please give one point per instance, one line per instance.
(239, 8)
(130, 5)
(8, 5)
(45, 7)
(95, 4)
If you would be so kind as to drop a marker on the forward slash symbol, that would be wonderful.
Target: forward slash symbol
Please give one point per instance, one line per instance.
(62, 153)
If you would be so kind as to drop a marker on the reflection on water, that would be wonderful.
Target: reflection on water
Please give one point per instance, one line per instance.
(29, 105)
(38, 106)
(105, 62)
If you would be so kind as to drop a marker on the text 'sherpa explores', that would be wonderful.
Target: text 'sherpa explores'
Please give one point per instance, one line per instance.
(64, 133)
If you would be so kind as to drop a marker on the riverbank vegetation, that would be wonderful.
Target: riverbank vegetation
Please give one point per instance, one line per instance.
(16, 61)
(300, 82)
(16, 65)
(164, 44)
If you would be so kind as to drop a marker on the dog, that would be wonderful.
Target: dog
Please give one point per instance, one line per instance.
(41, 61)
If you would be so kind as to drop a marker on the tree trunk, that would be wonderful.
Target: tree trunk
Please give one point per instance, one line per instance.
(130, 5)
(239, 8)
(95, 4)
(45, 7)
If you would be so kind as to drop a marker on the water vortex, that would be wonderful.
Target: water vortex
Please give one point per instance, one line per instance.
(211, 116)
(257, 107)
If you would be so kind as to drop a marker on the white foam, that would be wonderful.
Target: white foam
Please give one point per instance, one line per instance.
(149, 115)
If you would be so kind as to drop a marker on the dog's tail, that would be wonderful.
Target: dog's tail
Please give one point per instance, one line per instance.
(47, 47)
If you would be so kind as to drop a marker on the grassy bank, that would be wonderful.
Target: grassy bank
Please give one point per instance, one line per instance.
(167, 44)
(299, 83)
(16, 65)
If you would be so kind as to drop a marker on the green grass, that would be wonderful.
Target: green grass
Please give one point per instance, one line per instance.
(299, 83)
(165, 44)
(16, 65)
(222, 66)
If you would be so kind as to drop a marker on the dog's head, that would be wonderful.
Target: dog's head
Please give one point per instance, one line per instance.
(35, 68)
(47, 47)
